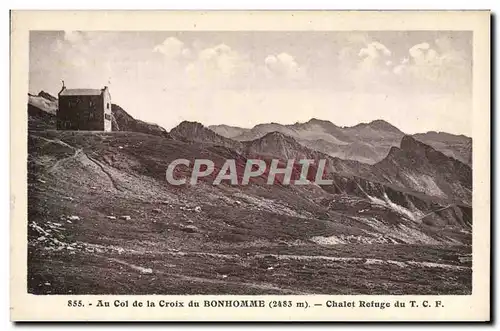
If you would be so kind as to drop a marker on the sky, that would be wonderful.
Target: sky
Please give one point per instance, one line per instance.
(418, 81)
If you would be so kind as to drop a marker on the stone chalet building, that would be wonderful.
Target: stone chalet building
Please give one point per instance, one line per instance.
(84, 109)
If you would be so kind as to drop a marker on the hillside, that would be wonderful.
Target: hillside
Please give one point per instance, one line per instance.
(100, 208)
(227, 130)
(279, 145)
(456, 146)
(197, 133)
(102, 219)
(39, 119)
(122, 121)
(44, 102)
(420, 167)
(42, 110)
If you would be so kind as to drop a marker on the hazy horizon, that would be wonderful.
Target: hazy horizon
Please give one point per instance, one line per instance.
(418, 81)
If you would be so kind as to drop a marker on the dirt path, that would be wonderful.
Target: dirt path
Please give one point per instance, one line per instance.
(435, 211)
(401, 264)
(330, 259)
(103, 169)
(59, 162)
(260, 286)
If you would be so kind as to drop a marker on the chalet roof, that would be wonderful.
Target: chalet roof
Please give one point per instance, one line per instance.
(81, 91)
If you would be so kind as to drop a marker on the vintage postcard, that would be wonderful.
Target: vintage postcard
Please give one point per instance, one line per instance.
(250, 166)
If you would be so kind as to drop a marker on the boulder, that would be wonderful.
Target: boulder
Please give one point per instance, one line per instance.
(190, 229)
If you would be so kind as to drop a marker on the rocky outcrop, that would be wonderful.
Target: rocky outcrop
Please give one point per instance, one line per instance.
(195, 132)
(122, 121)
(419, 167)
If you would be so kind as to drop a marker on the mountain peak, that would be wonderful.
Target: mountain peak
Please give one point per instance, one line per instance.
(410, 148)
(279, 145)
(188, 129)
(383, 125)
(321, 122)
(316, 120)
(420, 151)
(379, 125)
(197, 132)
(47, 96)
(277, 136)
(190, 123)
(410, 144)
(123, 121)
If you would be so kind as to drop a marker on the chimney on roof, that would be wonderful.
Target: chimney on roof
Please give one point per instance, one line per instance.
(63, 87)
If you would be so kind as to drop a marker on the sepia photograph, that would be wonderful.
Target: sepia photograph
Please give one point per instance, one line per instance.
(253, 162)
(109, 112)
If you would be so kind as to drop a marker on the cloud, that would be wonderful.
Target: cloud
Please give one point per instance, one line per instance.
(282, 65)
(373, 56)
(74, 48)
(374, 50)
(418, 49)
(442, 65)
(70, 40)
(362, 64)
(218, 65)
(173, 48)
(423, 54)
(85, 50)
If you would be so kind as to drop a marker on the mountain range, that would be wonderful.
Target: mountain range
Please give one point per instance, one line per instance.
(399, 205)
(412, 165)
(364, 142)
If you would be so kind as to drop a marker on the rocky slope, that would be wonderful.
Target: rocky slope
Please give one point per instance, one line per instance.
(278, 145)
(420, 167)
(42, 110)
(412, 167)
(227, 130)
(456, 146)
(102, 219)
(101, 215)
(44, 102)
(195, 132)
(367, 143)
(132, 166)
(47, 96)
(122, 121)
